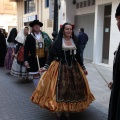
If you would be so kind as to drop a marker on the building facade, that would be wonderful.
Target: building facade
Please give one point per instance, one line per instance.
(29, 10)
(8, 18)
(97, 17)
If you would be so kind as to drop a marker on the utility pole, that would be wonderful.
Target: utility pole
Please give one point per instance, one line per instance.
(55, 27)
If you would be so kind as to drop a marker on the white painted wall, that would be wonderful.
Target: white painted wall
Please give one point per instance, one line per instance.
(85, 10)
(115, 34)
(62, 13)
(45, 16)
(67, 12)
(98, 34)
(101, 2)
(70, 12)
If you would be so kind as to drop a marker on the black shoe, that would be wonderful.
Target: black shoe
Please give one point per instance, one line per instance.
(25, 79)
(59, 118)
(67, 117)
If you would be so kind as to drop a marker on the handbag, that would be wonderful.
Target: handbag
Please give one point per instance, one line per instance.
(20, 55)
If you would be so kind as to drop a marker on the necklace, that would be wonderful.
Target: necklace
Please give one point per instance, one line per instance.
(67, 40)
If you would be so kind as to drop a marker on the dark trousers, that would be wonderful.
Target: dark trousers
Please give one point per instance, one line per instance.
(34, 65)
(82, 47)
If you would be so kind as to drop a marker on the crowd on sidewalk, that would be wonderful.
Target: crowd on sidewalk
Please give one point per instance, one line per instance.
(63, 86)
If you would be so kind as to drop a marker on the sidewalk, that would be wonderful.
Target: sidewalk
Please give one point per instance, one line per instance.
(15, 96)
(98, 86)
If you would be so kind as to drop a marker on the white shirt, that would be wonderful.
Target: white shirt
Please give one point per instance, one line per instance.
(38, 36)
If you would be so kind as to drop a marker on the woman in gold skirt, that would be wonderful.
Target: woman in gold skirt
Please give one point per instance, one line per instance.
(63, 87)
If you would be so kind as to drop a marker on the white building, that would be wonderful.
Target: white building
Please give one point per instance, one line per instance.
(97, 17)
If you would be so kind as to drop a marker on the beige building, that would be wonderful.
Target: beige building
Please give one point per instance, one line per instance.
(29, 10)
(8, 18)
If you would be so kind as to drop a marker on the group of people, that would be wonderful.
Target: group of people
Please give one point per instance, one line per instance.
(63, 86)
(10, 50)
(25, 53)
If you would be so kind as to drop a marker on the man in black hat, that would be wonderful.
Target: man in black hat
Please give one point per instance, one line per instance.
(36, 48)
(114, 106)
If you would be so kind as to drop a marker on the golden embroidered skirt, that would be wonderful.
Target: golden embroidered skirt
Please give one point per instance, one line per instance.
(58, 94)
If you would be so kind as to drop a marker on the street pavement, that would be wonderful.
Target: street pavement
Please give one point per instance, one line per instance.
(15, 95)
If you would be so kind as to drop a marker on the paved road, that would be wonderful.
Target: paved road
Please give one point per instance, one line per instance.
(15, 101)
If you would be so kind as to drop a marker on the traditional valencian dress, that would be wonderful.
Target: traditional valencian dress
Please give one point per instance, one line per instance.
(63, 87)
(10, 49)
(9, 57)
(36, 45)
(18, 69)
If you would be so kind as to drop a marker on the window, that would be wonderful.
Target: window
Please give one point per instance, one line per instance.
(81, 4)
(46, 3)
(29, 6)
(85, 3)
(93, 2)
(77, 5)
(89, 2)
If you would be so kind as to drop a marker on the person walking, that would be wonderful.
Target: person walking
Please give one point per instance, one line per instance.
(37, 45)
(3, 31)
(114, 105)
(83, 39)
(3, 49)
(63, 87)
(18, 69)
(11, 49)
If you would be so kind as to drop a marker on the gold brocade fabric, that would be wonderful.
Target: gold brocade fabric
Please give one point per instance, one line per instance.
(45, 93)
(71, 86)
(40, 52)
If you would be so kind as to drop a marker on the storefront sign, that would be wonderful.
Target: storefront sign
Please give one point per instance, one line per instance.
(30, 18)
(33, 17)
(51, 9)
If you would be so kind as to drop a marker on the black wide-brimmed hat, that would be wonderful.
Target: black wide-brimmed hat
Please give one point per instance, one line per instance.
(117, 11)
(36, 22)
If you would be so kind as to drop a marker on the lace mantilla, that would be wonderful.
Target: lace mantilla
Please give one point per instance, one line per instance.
(66, 47)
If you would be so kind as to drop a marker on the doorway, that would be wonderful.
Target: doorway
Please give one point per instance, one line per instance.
(106, 33)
